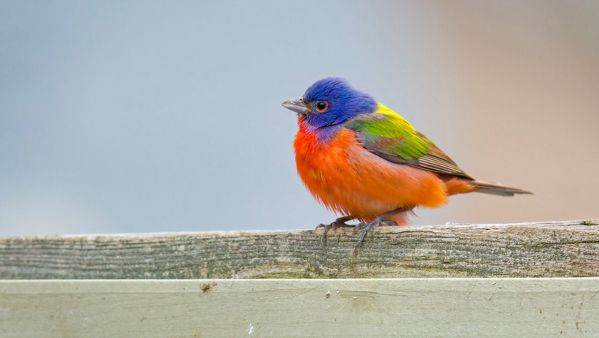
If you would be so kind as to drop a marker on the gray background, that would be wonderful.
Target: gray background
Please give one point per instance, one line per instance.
(135, 116)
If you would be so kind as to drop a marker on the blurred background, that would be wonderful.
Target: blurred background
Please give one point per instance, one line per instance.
(144, 116)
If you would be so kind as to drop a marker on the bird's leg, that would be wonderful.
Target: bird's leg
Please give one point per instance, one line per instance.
(377, 221)
(338, 223)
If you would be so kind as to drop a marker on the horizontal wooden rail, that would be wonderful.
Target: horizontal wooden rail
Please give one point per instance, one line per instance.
(551, 249)
(430, 307)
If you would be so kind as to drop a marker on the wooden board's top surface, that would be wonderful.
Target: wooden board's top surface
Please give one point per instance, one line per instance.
(548, 249)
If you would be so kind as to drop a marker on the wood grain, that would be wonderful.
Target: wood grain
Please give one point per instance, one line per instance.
(551, 249)
(433, 307)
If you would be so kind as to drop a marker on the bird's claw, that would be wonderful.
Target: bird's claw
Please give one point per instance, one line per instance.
(338, 223)
(364, 228)
(367, 228)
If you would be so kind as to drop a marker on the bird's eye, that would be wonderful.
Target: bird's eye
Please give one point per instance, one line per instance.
(321, 106)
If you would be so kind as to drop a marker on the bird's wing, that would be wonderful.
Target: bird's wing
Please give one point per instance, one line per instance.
(388, 135)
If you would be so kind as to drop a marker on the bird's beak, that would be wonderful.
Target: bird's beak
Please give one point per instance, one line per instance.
(297, 106)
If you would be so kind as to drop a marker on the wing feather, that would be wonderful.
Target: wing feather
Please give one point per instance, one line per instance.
(388, 135)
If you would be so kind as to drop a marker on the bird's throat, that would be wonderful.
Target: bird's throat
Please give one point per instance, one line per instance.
(322, 134)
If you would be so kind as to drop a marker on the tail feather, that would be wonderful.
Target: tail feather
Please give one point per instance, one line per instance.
(496, 189)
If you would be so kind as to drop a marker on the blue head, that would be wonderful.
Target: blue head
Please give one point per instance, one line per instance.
(330, 102)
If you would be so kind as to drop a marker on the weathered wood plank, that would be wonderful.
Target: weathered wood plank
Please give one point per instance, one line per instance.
(550, 249)
(302, 308)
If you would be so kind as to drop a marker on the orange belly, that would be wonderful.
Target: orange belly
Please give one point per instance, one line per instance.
(350, 180)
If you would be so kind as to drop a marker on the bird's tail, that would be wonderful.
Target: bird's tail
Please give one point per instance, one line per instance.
(496, 189)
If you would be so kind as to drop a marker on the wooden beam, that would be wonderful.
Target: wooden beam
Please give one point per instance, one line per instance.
(302, 308)
(550, 249)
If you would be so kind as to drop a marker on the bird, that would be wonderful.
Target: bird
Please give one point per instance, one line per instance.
(365, 162)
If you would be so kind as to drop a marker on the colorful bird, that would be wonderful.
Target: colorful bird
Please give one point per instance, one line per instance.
(364, 161)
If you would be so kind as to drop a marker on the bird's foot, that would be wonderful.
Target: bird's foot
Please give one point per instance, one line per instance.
(338, 223)
(381, 219)
(365, 229)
